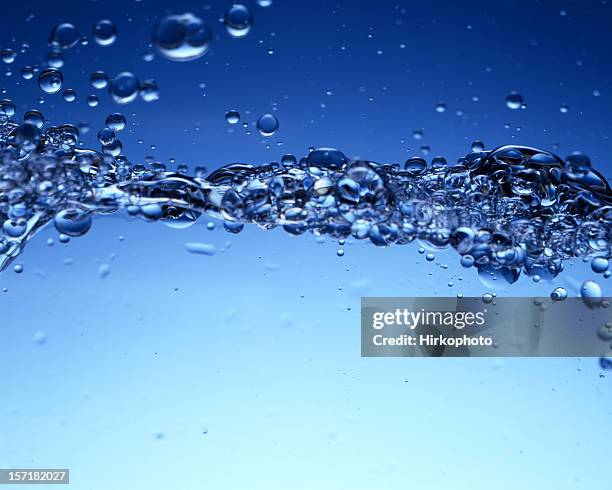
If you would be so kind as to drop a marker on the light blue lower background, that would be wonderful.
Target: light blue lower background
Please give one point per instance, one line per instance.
(258, 347)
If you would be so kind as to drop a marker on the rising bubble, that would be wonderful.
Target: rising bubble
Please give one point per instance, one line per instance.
(238, 20)
(267, 125)
(50, 81)
(182, 37)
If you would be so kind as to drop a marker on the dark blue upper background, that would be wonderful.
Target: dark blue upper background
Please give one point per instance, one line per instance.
(386, 64)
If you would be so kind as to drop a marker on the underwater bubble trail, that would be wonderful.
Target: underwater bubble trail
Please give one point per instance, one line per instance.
(506, 211)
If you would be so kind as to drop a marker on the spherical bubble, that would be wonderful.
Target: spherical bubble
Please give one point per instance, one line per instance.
(98, 80)
(106, 136)
(34, 117)
(591, 294)
(92, 100)
(238, 20)
(27, 73)
(288, 160)
(8, 56)
(116, 121)
(440, 107)
(50, 80)
(264, 3)
(415, 165)
(72, 222)
(115, 148)
(605, 331)
(149, 91)
(7, 107)
(55, 59)
(69, 95)
(64, 36)
(105, 32)
(267, 125)
(14, 228)
(558, 294)
(232, 117)
(124, 88)
(182, 37)
(564, 109)
(600, 265)
(514, 100)
(478, 146)
(467, 261)
(27, 136)
(487, 298)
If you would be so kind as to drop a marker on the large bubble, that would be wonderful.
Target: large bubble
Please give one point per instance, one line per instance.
(182, 37)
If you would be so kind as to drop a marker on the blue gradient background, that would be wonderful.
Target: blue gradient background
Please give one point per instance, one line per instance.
(257, 344)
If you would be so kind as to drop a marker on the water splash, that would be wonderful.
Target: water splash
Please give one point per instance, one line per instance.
(508, 211)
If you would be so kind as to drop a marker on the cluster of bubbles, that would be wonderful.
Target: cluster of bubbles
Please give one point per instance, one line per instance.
(123, 88)
(510, 211)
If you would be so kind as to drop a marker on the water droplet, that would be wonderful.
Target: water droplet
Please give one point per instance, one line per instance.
(92, 100)
(72, 222)
(106, 136)
(440, 107)
(232, 117)
(64, 36)
(116, 121)
(430, 257)
(564, 109)
(40, 338)
(69, 95)
(182, 37)
(600, 265)
(478, 146)
(98, 80)
(124, 88)
(238, 20)
(7, 107)
(34, 117)
(264, 3)
(27, 73)
(200, 248)
(559, 294)
(591, 294)
(340, 253)
(104, 271)
(50, 80)
(267, 125)
(18, 268)
(105, 32)
(487, 298)
(8, 56)
(514, 101)
(149, 91)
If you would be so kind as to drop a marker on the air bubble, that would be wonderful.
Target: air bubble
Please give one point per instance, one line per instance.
(559, 294)
(98, 79)
(116, 121)
(105, 32)
(69, 95)
(267, 125)
(72, 222)
(124, 88)
(64, 36)
(238, 20)
(182, 37)
(591, 294)
(50, 80)
(232, 117)
(514, 101)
